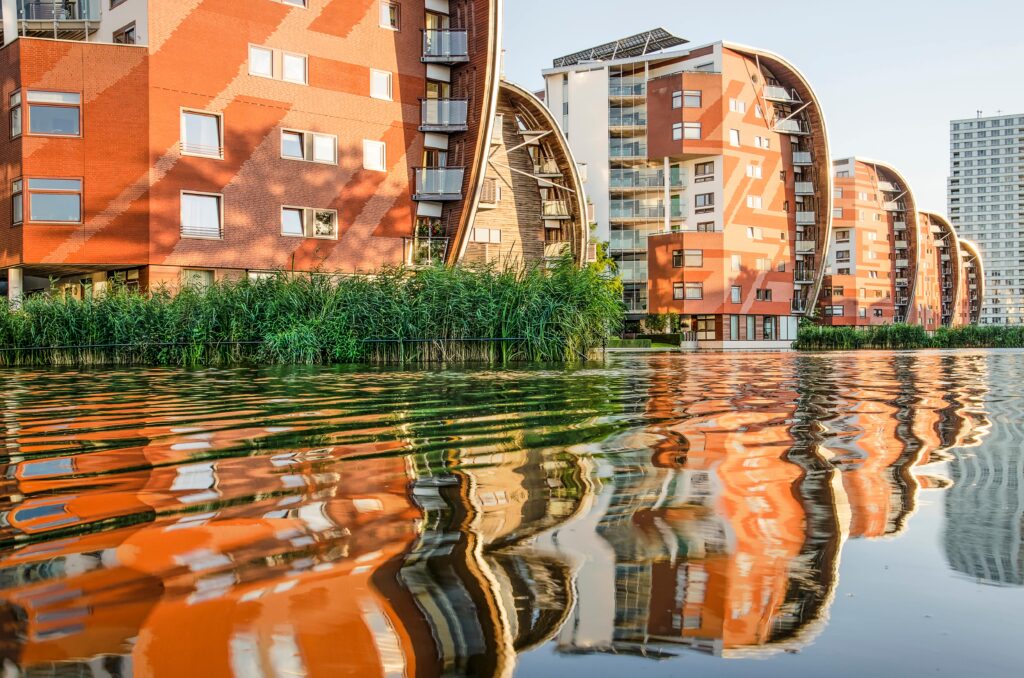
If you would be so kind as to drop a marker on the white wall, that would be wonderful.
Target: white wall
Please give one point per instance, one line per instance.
(114, 19)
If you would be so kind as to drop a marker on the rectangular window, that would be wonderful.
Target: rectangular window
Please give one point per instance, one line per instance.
(272, 63)
(691, 130)
(678, 291)
(704, 200)
(692, 98)
(197, 279)
(694, 290)
(125, 35)
(704, 171)
(55, 200)
(261, 61)
(201, 134)
(754, 171)
(677, 259)
(737, 106)
(17, 202)
(737, 262)
(843, 236)
(734, 137)
(755, 202)
(54, 113)
(374, 156)
(837, 213)
(310, 146)
(15, 102)
(677, 100)
(705, 227)
(751, 328)
(380, 84)
(736, 294)
(200, 215)
(734, 327)
(304, 222)
(677, 131)
(694, 258)
(390, 15)
(293, 68)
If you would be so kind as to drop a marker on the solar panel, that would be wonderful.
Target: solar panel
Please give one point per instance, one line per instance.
(635, 45)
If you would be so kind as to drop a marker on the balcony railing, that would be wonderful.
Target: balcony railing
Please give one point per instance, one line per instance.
(803, 158)
(778, 93)
(445, 46)
(555, 209)
(888, 187)
(804, 275)
(805, 188)
(895, 206)
(806, 218)
(547, 168)
(643, 179)
(439, 183)
(58, 10)
(627, 121)
(805, 246)
(444, 115)
(425, 251)
(629, 151)
(790, 126)
(628, 241)
(627, 89)
(637, 211)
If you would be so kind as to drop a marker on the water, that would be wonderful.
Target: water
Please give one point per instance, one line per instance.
(762, 514)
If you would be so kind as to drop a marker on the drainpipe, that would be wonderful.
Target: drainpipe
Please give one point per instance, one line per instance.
(10, 14)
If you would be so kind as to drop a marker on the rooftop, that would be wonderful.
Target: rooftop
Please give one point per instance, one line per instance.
(635, 45)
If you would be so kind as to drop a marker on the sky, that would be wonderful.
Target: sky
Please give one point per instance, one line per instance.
(890, 74)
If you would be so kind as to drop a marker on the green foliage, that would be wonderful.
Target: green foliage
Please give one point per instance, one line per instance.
(615, 342)
(813, 337)
(437, 314)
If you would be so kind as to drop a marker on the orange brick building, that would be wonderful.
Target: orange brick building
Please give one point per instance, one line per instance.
(151, 145)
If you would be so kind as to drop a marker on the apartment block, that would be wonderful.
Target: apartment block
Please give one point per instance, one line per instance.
(889, 261)
(985, 194)
(710, 178)
(159, 142)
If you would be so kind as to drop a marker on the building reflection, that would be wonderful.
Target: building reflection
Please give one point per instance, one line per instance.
(713, 520)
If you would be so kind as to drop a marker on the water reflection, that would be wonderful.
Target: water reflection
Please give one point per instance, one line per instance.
(444, 523)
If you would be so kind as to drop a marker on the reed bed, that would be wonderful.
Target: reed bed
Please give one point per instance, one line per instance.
(435, 315)
(821, 338)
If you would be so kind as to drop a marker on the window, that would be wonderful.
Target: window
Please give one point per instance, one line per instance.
(55, 200)
(692, 98)
(487, 236)
(762, 142)
(115, 3)
(878, 312)
(310, 146)
(677, 259)
(201, 134)
(125, 35)
(297, 3)
(678, 291)
(694, 290)
(754, 171)
(197, 279)
(54, 113)
(677, 100)
(758, 113)
(694, 258)
(843, 255)
(838, 193)
(705, 227)
(837, 212)
(390, 15)
(374, 156)
(294, 68)
(751, 328)
(736, 295)
(734, 137)
(691, 130)
(15, 102)
(763, 295)
(303, 222)
(380, 84)
(261, 61)
(704, 171)
(17, 202)
(677, 131)
(842, 236)
(737, 106)
(200, 215)
(755, 202)
(737, 262)
(705, 200)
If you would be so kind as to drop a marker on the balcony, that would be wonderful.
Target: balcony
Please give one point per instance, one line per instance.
(805, 246)
(640, 180)
(637, 151)
(805, 188)
(628, 241)
(799, 305)
(555, 209)
(806, 218)
(439, 183)
(425, 251)
(547, 167)
(627, 121)
(902, 282)
(790, 126)
(444, 115)
(895, 206)
(626, 212)
(901, 244)
(899, 226)
(902, 263)
(780, 94)
(445, 46)
(58, 19)
(627, 88)
(804, 276)
(803, 158)
(888, 187)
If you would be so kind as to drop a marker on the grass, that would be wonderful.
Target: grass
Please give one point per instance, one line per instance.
(435, 315)
(822, 338)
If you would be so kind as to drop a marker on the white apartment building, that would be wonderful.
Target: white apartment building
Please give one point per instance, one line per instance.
(985, 194)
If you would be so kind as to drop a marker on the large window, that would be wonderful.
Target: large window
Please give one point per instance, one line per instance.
(694, 290)
(55, 200)
(304, 222)
(201, 134)
(691, 130)
(201, 215)
(54, 113)
(693, 258)
(692, 98)
(310, 146)
(704, 171)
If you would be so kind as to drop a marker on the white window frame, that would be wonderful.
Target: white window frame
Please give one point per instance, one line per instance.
(309, 222)
(688, 131)
(308, 141)
(220, 216)
(385, 7)
(260, 48)
(305, 68)
(376, 77)
(219, 155)
(378, 151)
(735, 139)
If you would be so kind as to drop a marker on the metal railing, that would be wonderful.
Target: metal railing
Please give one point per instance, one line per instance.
(791, 126)
(445, 45)
(803, 158)
(643, 179)
(440, 182)
(806, 218)
(188, 148)
(58, 10)
(629, 150)
(779, 93)
(548, 166)
(555, 209)
(425, 251)
(444, 114)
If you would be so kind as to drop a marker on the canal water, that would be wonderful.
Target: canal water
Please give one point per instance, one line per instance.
(856, 514)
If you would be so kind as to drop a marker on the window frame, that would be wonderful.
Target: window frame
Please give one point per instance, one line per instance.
(382, 146)
(220, 210)
(18, 198)
(124, 30)
(688, 128)
(305, 68)
(27, 188)
(390, 84)
(309, 222)
(688, 257)
(220, 133)
(307, 140)
(736, 294)
(26, 112)
(16, 108)
(691, 286)
(389, 4)
(689, 95)
(249, 60)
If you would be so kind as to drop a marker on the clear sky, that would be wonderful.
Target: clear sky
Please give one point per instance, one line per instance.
(891, 74)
